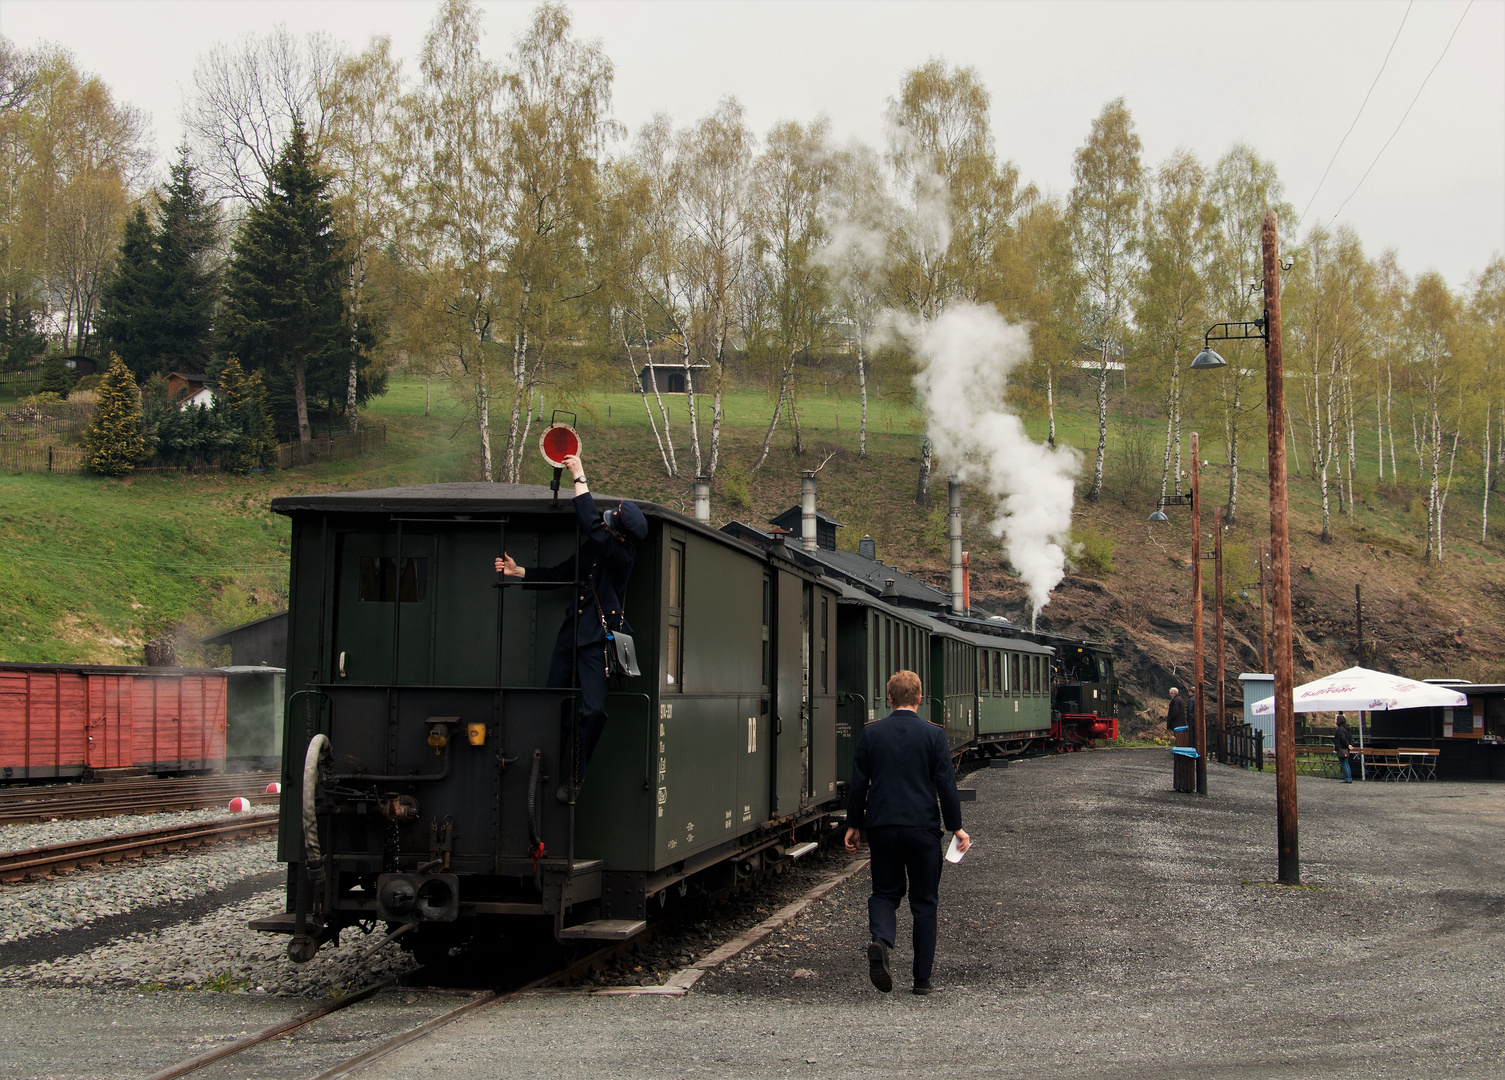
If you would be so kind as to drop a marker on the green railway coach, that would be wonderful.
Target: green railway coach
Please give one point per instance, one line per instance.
(436, 803)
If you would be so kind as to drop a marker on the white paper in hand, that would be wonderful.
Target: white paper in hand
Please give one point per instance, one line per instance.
(954, 853)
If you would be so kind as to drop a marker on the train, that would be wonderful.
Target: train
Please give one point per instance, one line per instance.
(424, 754)
(97, 721)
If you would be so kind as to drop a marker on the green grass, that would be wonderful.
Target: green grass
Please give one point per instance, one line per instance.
(91, 568)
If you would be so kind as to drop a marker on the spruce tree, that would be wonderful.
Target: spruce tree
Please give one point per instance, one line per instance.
(127, 315)
(157, 308)
(283, 308)
(242, 402)
(187, 281)
(56, 378)
(116, 435)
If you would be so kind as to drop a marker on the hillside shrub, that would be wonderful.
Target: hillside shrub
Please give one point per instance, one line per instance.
(1092, 551)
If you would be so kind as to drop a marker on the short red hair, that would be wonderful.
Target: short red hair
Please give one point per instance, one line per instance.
(904, 689)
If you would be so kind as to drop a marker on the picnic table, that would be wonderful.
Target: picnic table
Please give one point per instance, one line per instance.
(1386, 763)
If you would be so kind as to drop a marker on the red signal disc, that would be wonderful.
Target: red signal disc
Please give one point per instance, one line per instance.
(557, 441)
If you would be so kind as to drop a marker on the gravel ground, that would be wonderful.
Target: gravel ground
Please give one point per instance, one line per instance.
(219, 952)
(69, 830)
(82, 897)
(1102, 927)
(651, 964)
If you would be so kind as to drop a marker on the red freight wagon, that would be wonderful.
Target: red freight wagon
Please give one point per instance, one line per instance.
(59, 720)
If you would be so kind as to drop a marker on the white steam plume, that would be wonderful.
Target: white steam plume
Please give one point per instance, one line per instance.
(965, 356)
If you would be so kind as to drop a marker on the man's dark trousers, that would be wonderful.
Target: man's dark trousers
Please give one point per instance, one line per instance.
(897, 852)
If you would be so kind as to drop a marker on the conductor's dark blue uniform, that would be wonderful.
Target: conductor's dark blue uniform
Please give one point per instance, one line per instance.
(903, 787)
(605, 562)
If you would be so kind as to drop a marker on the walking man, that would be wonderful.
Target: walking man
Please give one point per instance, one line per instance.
(1175, 713)
(1343, 744)
(902, 787)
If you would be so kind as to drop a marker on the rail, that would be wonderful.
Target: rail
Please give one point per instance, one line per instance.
(40, 861)
(114, 798)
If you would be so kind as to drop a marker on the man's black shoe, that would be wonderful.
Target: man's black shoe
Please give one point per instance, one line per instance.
(922, 986)
(877, 966)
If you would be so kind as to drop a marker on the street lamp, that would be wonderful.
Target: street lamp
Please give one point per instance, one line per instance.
(1267, 329)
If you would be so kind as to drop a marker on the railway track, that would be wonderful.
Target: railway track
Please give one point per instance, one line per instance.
(145, 796)
(566, 975)
(41, 861)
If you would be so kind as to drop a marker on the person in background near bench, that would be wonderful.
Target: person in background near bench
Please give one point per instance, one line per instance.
(1343, 744)
(1175, 713)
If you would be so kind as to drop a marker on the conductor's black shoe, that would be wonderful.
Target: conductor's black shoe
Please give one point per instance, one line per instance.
(877, 966)
(922, 986)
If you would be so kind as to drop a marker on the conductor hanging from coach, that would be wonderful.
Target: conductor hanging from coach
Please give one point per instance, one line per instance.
(606, 555)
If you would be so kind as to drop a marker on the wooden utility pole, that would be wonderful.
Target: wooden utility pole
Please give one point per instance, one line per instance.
(1222, 714)
(1264, 615)
(1280, 557)
(1199, 713)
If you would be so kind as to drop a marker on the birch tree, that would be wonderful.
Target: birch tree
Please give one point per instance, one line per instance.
(1106, 226)
(364, 98)
(557, 117)
(790, 181)
(1171, 308)
(1432, 326)
(455, 144)
(1242, 187)
(954, 202)
(715, 186)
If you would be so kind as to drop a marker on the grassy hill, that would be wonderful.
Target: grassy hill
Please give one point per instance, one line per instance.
(90, 569)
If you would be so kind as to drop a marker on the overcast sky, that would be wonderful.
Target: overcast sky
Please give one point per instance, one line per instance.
(1288, 78)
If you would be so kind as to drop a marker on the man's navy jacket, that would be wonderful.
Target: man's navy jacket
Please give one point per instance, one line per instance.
(902, 766)
(606, 563)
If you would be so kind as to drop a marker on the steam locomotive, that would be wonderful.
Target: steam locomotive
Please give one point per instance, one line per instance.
(423, 752)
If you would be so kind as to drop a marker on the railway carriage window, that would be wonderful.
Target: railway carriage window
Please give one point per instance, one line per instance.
(825, 645)
(876, 699)
(1035, 679)
(888, 647)
(767, 637)
(674, 630)
(381, 583)
(983, 687)
(997, 673)
(1014, 674)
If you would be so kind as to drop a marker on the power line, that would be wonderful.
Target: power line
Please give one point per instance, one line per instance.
(1407, 113)
(1356, 115)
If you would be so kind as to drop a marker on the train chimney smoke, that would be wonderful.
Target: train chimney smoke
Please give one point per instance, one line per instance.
(703, 499)
(807, 510)
(965, 356)
(954, 519)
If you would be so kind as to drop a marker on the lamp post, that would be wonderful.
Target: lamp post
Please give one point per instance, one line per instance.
(1199, 722)
(1267, 328)
(1222, 714)
(1199, 708)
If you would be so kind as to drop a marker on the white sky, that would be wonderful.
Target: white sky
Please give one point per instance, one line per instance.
(1286, 77)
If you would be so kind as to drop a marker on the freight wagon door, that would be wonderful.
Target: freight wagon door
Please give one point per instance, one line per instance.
(791, 708)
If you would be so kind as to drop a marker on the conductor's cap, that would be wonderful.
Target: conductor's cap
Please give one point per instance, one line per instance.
(629, 520)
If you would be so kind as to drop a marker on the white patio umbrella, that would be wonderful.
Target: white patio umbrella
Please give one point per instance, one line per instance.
(1362, 690)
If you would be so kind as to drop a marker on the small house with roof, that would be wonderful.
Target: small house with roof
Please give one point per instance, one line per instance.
(189, 388)
(669, 378)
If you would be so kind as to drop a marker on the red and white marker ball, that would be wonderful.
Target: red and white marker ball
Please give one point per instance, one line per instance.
(274, 789)
(239, 806)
